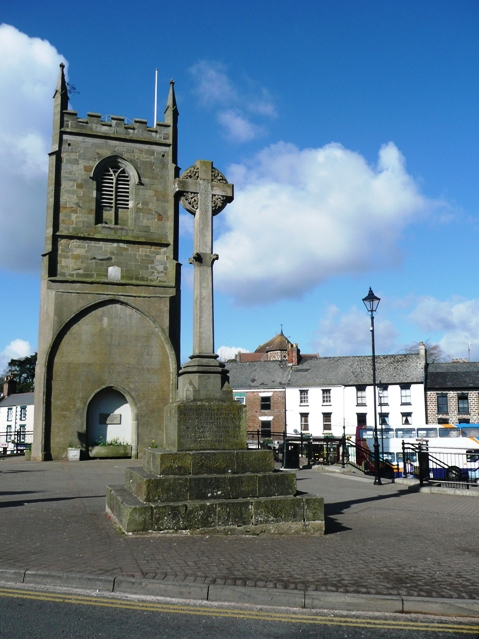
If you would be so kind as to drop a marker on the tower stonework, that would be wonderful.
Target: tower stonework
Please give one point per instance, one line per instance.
(110, 293)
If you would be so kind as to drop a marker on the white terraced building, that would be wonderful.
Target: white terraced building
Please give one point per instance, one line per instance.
(16, 422)
(332, 395)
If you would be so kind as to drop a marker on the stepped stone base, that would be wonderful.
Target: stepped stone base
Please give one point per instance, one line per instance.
(231, 492)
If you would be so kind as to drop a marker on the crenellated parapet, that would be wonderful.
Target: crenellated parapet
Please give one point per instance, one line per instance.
(116, 126)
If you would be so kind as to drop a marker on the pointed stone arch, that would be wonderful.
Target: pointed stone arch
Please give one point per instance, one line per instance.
(108, 344)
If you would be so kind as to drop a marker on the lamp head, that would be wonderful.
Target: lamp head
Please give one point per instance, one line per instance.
(371, 301)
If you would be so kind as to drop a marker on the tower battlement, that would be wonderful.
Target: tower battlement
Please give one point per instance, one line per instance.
(116, 127)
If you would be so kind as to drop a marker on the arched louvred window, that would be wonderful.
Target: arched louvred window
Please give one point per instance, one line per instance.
(114, 196)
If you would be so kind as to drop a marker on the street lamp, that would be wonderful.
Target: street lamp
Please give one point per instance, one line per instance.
(371, 302)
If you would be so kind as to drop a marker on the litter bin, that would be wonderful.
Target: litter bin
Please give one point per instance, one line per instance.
(290, 455)
(423, 458)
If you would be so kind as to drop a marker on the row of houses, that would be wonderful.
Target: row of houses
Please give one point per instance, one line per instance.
(283, 390)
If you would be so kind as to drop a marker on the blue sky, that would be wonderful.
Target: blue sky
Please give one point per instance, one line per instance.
(349, 128)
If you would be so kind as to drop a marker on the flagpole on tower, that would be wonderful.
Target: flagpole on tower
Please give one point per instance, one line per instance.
(156, 98)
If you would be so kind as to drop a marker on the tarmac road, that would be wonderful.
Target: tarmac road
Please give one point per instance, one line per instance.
(45, 614)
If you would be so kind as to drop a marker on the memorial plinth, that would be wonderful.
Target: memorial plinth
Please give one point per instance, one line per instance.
(204, 479)
(229, 491)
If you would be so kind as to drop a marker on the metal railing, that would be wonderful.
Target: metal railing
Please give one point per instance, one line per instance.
(316, 450)
(15, 443)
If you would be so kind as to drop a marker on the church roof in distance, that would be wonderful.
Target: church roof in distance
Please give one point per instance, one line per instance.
(277, 343)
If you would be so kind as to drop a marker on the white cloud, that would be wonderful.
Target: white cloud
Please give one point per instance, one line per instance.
(17, 349)
(228, 352)
(237, 127)
(212, 84)
(454, 322)
(232, 103)
(28, 74)
(301, 217)
(348, 334)
(263, 104)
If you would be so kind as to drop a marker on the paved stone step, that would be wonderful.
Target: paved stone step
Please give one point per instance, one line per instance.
(208, 462)
(149, 487)
(282, 515)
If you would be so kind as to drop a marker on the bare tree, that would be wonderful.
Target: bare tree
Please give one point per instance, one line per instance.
(434, 352)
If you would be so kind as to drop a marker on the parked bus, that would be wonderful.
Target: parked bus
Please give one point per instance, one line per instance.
(453, 449)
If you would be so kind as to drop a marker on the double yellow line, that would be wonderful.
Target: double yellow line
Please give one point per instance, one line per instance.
(206, 611)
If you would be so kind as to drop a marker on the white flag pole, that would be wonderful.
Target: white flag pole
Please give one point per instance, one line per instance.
(156, 98)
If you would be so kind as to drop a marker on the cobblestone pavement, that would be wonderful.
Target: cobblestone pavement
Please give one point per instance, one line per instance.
(379, 539)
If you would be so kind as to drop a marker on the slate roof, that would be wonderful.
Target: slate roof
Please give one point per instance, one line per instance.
(273, 374)
(453, 375)
(18, 399)
(325, 371)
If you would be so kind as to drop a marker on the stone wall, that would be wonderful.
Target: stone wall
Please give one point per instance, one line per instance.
(90, 260)
(453, 414)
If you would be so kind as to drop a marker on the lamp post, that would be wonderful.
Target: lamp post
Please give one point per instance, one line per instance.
(371, 302)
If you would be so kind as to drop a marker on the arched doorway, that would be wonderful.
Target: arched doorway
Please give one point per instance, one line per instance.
(109, 417)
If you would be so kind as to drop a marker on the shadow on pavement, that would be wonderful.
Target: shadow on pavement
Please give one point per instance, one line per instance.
(26, 502)
(331, 510)
(19, 492)
(12, 472)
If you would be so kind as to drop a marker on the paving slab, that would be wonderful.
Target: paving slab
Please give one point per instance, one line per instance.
(380, 541)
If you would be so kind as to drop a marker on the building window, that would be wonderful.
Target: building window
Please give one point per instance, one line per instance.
(327, 396)
(114, 196)
(361, 419)
(463, 403)
(463, 420)
(21, 433)
(265, 402)
(266, 427)
(241, 399)
(115, 181)
(327, 421)
(406, 394)
(9, 414)
(361, 395)
(442, 407)
(384, 419)
(304, 418)
(303, 397)
(442, 420)
(406, 419)
(23, 413)
(8, 434)
(383, 395)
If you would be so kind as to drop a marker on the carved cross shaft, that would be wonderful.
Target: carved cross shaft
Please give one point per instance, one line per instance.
(204, 192)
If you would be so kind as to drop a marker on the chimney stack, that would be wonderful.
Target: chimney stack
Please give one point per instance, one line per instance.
(293, 355)
(9, 386)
